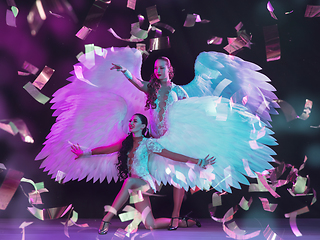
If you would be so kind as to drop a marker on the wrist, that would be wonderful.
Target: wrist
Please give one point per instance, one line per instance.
(127, 74)
(87, 152)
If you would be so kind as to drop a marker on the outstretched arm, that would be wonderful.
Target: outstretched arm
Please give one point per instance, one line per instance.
(95, 151)
(182, 158)
(140, 84)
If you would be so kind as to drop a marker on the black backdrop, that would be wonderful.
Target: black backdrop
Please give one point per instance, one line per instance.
(295, 76)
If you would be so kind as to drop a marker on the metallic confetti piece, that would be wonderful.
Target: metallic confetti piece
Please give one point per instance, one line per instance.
(49, 213)
(271, 9)
(25, 180)
(9, 187)
(243, 40)
(293, 224)
(2, 167)
(216, 200)
(270, 207)
(164, 25)
(257, 187)
(158, 32)
(10, 19)
(55, 15)
(108, 208)
(120, 233)
(315, 126)
(30, 68)
(159, 43)
(221, 86)
(79, 75)
(314, 199)
(239, 26)
(23, 73)
(228, 216)
(43, 77)
(254, 145)
(152, 14)
(9, 127)
(95, 14)
(233, 231)
(270, 235)
(60, 176)
(23, 130)
(23, 226)
(131, 4)
(66, 225)
(35, 93)
(312, 11)
(145, 213)
(89, 61)
(190, 20)
(289, 112)
(35, 197)
(303, 164)
(100, 51)
(137, 31)
(83, 32)
(227, 173)
(135, 197)
(247, 168)
(272, 43)
(215, 40)
(299, 186)
(244, 204)
(288, 12)
(307, 110)
(131, 39)
(36, 17)
(293, 194)
(266, 185)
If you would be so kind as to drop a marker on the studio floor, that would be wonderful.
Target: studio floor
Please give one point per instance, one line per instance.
(53, 229)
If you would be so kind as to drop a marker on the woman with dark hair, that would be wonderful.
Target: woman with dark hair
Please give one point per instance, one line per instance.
(161, 93)
(133, 155)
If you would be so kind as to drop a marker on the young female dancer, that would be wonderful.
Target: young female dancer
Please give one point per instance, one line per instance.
(161, 93)
(132, 165)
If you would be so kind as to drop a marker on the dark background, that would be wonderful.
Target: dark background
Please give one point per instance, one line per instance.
(295, 77)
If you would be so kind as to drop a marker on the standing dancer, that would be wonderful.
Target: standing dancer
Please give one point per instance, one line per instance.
(161, 93)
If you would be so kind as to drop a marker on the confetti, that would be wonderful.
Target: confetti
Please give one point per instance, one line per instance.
(312, 11)
(108, 208)
(266, 185)
(49, 213)
(43, 77)
(36, 17)
(307, 110)
(131, 39)
(215, 40)
(9, 187)
(239, 26)
(243, 40)
(35, 93)
(30, 68)
(293, 220)
(272, 43)
(270, 207)
(164, 25)
(95, 14)
(233, 231)
(137, 31)
(191, 19)
(271, 9)
(79, 75)
(10, 19)
(244, 204)
(83, 32)
(131, 4)
(152, 14)
(60, 176)
(159, 43)
(270, 235)
(2, 167)
(23, 226)
(216, 200)
(289, 112)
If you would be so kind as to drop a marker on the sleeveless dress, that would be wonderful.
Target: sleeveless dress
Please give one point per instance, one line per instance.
(94, 109)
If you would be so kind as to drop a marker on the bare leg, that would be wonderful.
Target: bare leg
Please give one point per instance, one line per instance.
(123, 195)
(178, 194)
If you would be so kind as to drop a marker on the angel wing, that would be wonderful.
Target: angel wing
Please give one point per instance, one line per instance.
(219, 74)
(215, 126)
(93, 110)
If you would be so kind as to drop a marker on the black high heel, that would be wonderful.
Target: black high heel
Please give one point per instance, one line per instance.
(170, 228)
(104, 227)
(186, 218)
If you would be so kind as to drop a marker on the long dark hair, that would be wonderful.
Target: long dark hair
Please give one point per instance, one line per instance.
(127, 146)
(154, 85)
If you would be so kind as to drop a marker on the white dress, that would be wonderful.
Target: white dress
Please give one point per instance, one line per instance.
(97, 114)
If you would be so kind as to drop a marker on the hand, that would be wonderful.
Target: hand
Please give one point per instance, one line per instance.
(206, 161)
(76, 150)
(118, 67)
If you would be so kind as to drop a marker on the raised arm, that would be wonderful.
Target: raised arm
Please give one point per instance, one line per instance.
(138, 83)
(95, 151)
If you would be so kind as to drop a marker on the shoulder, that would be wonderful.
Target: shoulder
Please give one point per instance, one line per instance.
(181, 93)
(153, 145)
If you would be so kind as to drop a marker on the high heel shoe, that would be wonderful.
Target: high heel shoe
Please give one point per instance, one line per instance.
(186, 218)
(104, 227)
(171, 227)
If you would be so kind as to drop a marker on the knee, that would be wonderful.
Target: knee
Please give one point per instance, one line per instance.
(128, 182)
(149, 226)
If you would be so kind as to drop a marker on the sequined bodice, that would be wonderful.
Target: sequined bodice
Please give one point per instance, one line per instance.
(158, 115)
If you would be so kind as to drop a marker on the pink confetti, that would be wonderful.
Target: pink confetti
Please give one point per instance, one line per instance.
(266, 185)
(307, 110)
(43, 77)
(293, 219)
(272, 43)
(270, 207)
(83, 32)
(239, 26)
(215, 40)
(271, 9)
(289, 112)
(269, 234)
(10, 19)
(152, 14)
(30, 68)
(131, 4)
(312, 11)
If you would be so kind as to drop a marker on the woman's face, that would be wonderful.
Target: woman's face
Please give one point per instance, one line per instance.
(161, 70)
(135, 124)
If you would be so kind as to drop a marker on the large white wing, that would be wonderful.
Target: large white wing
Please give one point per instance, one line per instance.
(219, 74)
(213, 125)
(93, 112)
